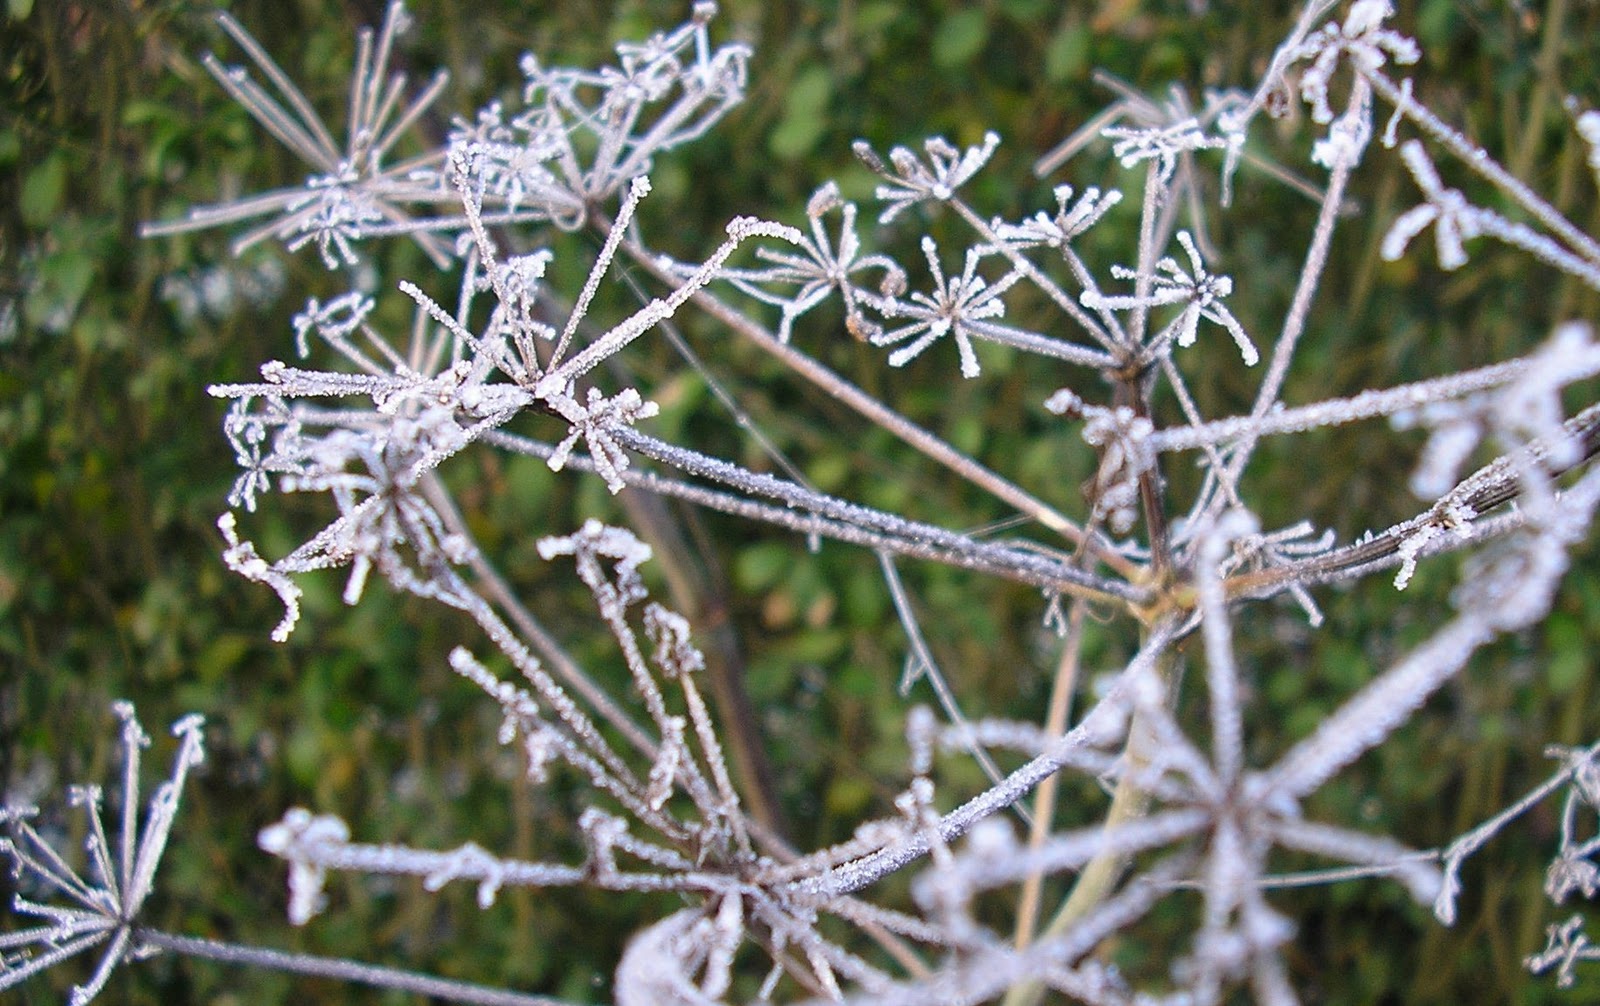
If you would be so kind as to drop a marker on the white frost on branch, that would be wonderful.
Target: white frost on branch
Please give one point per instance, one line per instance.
(1165, 144)
(822, 267)
(1072, 218)
(1454, 220)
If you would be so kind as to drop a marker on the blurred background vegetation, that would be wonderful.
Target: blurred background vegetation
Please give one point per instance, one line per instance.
(113, 469)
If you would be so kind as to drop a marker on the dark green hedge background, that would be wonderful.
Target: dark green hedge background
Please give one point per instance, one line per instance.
(113, 469)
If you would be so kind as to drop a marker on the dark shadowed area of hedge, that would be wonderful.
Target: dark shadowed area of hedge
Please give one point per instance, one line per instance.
(113, 468)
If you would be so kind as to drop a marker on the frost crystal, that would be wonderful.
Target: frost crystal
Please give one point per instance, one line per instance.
(1454, 220)
(1163, 144)
(596, 423)
(1072, 218)
(821, 268)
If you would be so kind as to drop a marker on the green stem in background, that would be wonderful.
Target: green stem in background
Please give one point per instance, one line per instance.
(1099, 877)
(1044, 804)
(1522, 156)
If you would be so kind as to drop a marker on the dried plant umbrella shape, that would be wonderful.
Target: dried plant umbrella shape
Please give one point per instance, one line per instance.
(513, 366)
(99, 906)
(353, 194)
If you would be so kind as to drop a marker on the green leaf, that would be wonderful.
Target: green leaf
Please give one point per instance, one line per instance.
(967, 433)
(63, 279)
(848, 797)
(805, 114)
(42, 190)
(1067, 56)
(760, 566)
(1569, 653)
(1026, 10)
(142, 110)
(874, 18)
(960, 38)
(222, 655)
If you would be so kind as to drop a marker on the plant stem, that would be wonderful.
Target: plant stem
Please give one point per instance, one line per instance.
(1044, 804)
(894, 423)
(1128, 803)
(339, 970)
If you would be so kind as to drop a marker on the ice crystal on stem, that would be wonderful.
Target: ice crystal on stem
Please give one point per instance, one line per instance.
(1571, 870)
(1072, 218)
(595, 422)
(1165, 145)
(614, 106)
(1588, 126)
(1361, 38)
(596, 541)
(1454, 220)
(1566, 944)
(1123, 438)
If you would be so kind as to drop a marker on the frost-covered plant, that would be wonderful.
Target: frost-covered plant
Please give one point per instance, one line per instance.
(101, 906)
(516, 366)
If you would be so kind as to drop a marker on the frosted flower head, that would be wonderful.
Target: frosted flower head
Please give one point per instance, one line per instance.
(1566, 944)
(370, 468)
(517, 283)
(1588, 126)
(1453, 218)
(823, 266)
(595, 542)
(515, 163)
(913, 180)
(295, 838)
(597, 422)
(1199, 291)
(1362, 38)
(266, 443)
(663, 92)
(1164, 144)
(100, 906)
(351, 193)
(1126, 455)
(1072, 218)
(961, 306)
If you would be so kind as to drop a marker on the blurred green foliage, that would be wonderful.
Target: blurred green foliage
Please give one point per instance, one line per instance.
(112, 469)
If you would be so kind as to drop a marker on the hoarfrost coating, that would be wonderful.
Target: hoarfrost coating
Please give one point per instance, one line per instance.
(519, 366)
